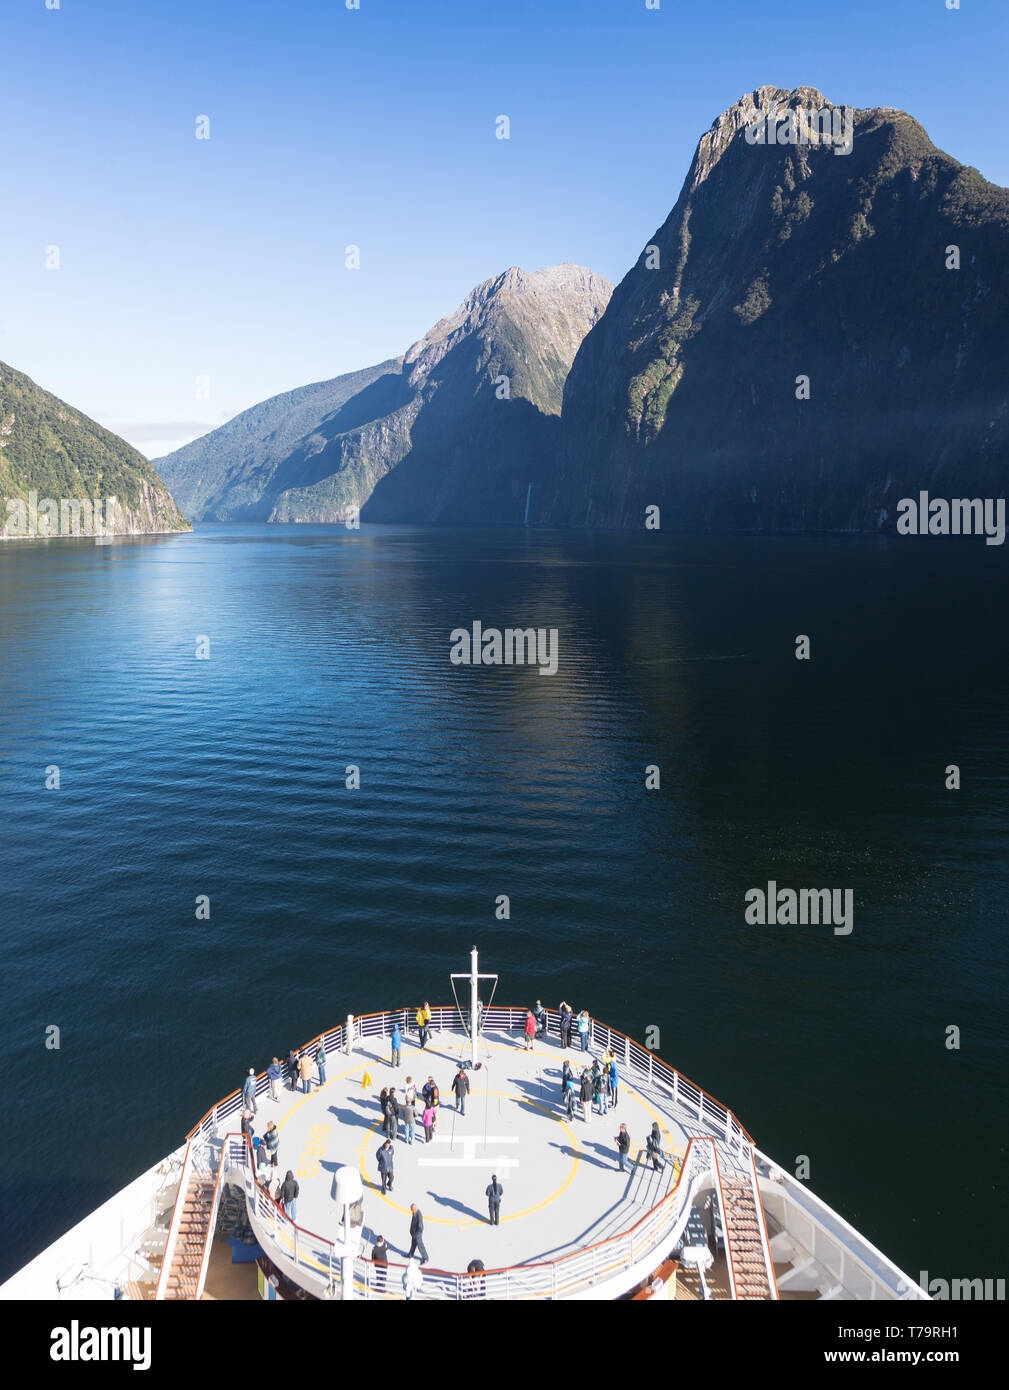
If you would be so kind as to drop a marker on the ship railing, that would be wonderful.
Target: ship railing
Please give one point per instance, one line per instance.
(659, 1229)
(308, 1251)
(636, 1060)
(197, 1160)
(560, 1278)
(772, 1280)
(569, 1275)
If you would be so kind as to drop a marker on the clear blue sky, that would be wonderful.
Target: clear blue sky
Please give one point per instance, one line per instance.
(183, 257)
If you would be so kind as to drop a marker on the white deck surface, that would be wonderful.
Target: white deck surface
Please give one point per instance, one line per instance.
(562, 1187)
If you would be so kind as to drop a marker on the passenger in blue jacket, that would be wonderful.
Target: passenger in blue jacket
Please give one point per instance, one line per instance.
(385, 1158)
(275, 1073)
(397, 1044)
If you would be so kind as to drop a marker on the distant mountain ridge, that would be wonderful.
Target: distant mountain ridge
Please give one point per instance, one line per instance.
(814, 333)
(459, 429)
(227, 474)
(49, 448)
(789, 261)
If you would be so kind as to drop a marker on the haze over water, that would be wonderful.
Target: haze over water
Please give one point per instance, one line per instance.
(329, 647)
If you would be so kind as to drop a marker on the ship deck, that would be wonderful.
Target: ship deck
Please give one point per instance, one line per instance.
(563, 1190)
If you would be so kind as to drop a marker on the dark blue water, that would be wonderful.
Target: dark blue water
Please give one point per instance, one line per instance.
(226, 777)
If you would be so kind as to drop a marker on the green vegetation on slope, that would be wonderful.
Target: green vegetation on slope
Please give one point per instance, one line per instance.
(48, 446)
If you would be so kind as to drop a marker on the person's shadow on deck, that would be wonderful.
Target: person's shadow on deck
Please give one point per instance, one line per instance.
(583, 1156)
(460, 1207)
(352, 1119)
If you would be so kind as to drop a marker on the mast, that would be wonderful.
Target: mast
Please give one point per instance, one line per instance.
(474, 987)
(474, 977)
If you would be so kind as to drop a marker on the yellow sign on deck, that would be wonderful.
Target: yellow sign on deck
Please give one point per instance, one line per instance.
(366, 1080)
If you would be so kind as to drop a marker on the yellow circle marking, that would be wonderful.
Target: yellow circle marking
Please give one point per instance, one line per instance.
(517, 1216)
(498, 1047)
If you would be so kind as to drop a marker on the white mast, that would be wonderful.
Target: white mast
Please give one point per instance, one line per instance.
(474, 1000)
(474, 978)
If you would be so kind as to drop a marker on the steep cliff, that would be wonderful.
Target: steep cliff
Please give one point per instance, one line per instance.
(808, 241)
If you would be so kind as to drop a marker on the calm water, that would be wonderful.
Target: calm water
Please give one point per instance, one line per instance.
(227, 777)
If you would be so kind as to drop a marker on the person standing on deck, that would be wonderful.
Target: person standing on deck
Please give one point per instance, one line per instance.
(424, 1022)
(390, 1113)
(431, 1093)
(566, 1074)
(289, 1194)
(569, 1095)
(247, 1123)
(397, 1045)
(586, 1094)
(460, 1085)
(623, 1141)
(305, 1067)
(566, 1018)
(429, 1119)
(380, 1259)
(583, 1029)
(410, 1091)
(249, 1091)
(653, 1145)
(494, 1194)
(530, 1030)
(408, 1114)
(292, 1069)
(320, 1061)
(540, 1015)
(275, 1075)
(385, 1159)
(614, 1082)
(417, 1234)
(272, 1141)
(597, 1086)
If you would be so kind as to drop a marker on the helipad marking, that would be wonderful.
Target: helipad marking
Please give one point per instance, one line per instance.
(469, 1143)
(497, 1047)
(516, 1216)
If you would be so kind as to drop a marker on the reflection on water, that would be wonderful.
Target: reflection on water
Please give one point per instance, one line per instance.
(330, 648)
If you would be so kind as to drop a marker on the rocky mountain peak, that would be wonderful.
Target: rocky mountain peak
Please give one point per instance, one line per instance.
(752, 106)
(558, 302)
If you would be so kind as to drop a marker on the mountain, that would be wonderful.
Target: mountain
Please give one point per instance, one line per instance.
(460, 429)
(234, 472)
(783, 260)
(49, 448)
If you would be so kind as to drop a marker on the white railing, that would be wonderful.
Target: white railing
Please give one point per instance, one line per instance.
(208, 1238)
(772, 1282)
(287, 1242)
(564, 1277)
(195, 1161)
(569, 1275)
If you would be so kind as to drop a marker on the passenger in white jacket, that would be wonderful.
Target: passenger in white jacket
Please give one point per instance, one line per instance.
(412, 1278)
